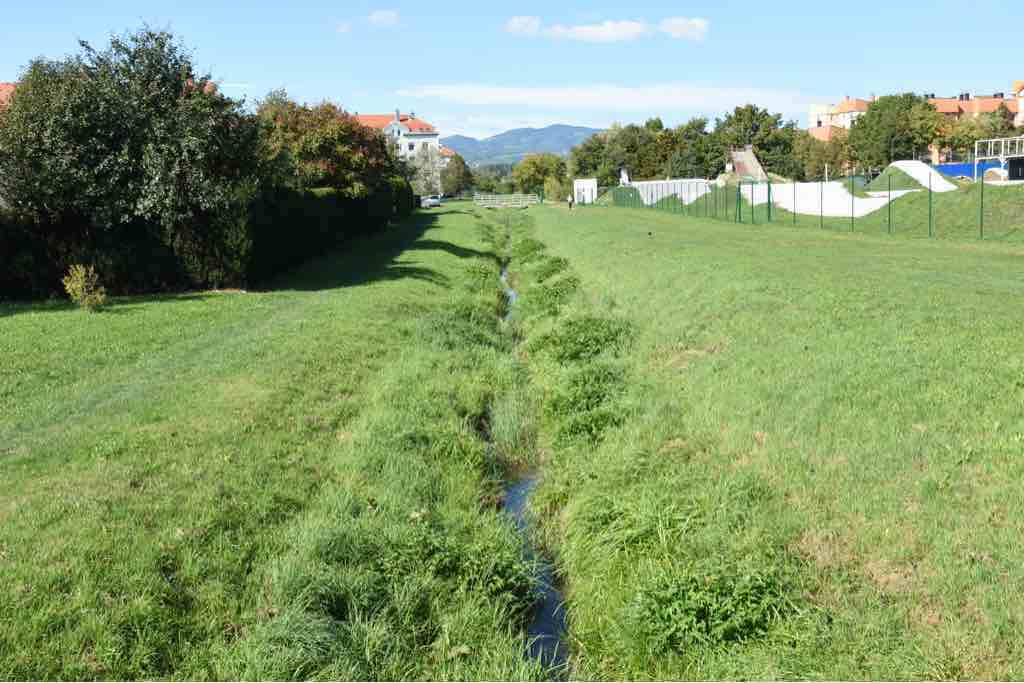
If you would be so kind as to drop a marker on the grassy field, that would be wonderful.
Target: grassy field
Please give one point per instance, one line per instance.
(280, 484)
(777, 452)
(764, 452)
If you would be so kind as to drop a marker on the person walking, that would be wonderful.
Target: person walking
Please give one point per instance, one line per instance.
(571, 201)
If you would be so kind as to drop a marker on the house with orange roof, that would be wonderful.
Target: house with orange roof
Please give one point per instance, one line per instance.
(6, 91)
(840, 115)
(407, 133)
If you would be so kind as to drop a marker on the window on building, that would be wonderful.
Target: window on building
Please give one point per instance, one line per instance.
(412, 146)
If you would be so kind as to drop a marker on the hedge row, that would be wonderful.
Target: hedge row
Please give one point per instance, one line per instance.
(264, 237)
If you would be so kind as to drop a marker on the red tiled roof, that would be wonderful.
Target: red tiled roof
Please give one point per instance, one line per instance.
(6, 90)
(977, 105)
(382, 121)
(848, 105)
(1018, 87)
(446, 152)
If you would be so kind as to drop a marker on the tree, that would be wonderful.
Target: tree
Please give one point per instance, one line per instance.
(128, 133)
(894, 127)
(530, 173)
(589, 159)
(456, 176)
(554, 190)
(427, 171)
(323, 146)
(816, 155)
(771, 138)
(691, 151)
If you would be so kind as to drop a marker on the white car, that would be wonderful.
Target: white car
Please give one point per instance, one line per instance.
(430, 202)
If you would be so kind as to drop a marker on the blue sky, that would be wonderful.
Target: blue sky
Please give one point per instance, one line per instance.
(481, 68)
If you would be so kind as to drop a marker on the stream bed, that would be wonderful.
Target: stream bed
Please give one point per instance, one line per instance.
(546, 629)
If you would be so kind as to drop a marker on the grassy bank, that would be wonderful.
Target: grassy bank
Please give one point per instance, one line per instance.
(777, 453)
(282, 484)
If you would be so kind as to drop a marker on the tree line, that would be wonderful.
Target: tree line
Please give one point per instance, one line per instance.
(130, 160)
(894, 127)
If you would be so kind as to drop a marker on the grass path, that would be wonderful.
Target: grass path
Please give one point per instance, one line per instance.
(818, 440)
(278, 484)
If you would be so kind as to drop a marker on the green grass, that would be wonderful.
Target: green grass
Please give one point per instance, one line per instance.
(765, 452)
(779, 453)
(280, 484)
(900, 181)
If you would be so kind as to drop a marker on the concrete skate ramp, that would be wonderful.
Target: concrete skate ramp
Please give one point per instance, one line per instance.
(920, 172)
(746, 165)
(831, 199)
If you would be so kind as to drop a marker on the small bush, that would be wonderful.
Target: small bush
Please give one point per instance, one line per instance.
(708, 604)
(83, 286)
(548, 298)
(527, 249)
(582, 338)
(581, 407)
(549, 268)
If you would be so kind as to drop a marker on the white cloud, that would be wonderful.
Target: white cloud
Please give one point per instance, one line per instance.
(524, 26)
(684, 28)
(343, 27)
(661, 97)
(605, 32)
(384, 17)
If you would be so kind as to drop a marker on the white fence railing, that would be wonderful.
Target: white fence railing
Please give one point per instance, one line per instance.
(505, 201)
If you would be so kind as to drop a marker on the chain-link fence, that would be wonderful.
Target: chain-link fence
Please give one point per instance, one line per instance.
(890, 204)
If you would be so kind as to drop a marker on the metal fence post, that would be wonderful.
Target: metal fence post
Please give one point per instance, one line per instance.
(794, 203)
(769, 201)
(931, 212)
(890, 203)
(821, 204)
(981, 213)
(851, 203)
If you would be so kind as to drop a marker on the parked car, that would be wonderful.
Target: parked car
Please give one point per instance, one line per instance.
(430, 202)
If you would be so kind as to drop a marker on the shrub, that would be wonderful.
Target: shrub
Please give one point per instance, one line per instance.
(711, 604)
(83, 286)
(549, 268)
(582, 338)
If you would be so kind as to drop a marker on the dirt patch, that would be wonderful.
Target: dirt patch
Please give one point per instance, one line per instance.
(673, 445)
(825, 549)
(679, 357)
(890, 577)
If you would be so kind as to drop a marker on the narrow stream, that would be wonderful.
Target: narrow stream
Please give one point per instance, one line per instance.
(547, 625)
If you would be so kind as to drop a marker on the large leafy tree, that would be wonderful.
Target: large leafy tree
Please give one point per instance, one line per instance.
(530, 173)
(894, 127)
(816, 156)
(322, 146)
(771, 137)
(456, 176)
(131, 132)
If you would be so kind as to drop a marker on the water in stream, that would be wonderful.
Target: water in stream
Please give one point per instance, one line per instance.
(547, 625)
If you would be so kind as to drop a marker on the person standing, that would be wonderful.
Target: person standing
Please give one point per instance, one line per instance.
(571, 201)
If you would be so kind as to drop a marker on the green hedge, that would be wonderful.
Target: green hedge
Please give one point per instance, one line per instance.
(274, 232)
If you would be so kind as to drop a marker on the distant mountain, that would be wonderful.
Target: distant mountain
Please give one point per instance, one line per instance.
(511, 146)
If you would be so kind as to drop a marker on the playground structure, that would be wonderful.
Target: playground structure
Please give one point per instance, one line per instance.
(1007, 151)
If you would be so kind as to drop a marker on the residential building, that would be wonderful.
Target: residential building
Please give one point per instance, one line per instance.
(6, 90)
(408, 134)
(840, 115)
(967, 105)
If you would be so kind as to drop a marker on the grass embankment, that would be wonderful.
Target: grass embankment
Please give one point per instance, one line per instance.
(959, 215)
(781, 453)
(900, 181)
(283, 484)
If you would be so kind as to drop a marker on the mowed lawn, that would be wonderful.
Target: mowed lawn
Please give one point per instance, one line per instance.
(821, 446)
(275, 484)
